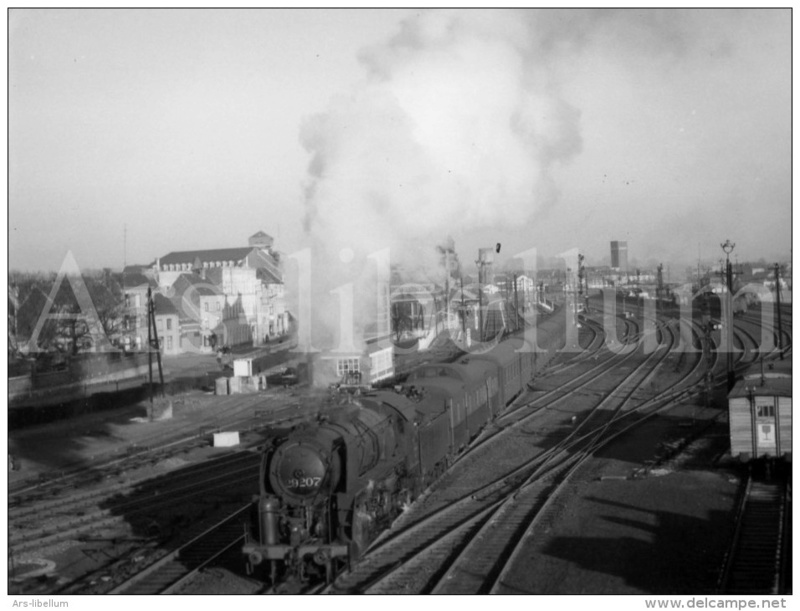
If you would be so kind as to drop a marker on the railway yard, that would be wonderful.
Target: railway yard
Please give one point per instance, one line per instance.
(400, 302)
(610, 475)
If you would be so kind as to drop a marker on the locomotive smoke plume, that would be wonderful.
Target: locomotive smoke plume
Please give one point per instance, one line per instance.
(455, 126)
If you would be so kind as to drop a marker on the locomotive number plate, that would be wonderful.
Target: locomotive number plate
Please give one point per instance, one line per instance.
(303, 482)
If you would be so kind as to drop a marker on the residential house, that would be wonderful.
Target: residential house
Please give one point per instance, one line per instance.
(136, 280)
(167, 318)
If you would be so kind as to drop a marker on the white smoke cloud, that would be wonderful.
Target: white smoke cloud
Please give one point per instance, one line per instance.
(454, 126)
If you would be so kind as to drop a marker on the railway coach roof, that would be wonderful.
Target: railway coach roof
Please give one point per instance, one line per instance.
(440, 386)
(465, 371)
(505, 352)
(772, 378)
(770, 387)
(401, 403)
(474, 369)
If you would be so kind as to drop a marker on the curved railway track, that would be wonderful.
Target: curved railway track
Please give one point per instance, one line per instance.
(470, 535)
(429, 539)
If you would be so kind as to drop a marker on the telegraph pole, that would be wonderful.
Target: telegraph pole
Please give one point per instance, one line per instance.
(660, 286)
(480, 312)
(778, 294)
(447, 286)
(153, 342)
(150, 348)
(583, 285)
(463, 309)
(484, 260)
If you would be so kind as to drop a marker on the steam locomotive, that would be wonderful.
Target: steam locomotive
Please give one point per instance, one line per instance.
(329, 487)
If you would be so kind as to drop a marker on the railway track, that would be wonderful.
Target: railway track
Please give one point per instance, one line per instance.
(516, 416)
(755, 561)
(483, 530)
(69, 519)
(105, 494)
(777, 341)
(172, 571)
(119, 508)
(482, 563)
(503, 505)
(494, 517)
(244, 413)
(597, 369)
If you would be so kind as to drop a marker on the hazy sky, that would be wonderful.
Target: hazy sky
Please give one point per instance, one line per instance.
(553, 129)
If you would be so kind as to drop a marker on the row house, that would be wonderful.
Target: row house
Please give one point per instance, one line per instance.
(136, 281)
(168, 329)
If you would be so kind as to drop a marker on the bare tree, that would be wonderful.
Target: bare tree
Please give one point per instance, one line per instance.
(67, 327)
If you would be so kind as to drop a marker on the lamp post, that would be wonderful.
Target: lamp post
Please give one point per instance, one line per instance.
(728, 247)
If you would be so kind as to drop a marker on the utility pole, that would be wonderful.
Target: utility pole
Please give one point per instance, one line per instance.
(778, 294)
(480, 313)
(583, 284)
(485, 258)
(463, 308)
(153, 343)
(447, 285)
(659, 283)
(150, 350)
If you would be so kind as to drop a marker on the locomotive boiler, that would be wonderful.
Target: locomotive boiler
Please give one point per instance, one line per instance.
(327, 488)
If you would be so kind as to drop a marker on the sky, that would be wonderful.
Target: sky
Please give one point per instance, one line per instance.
(134, 133)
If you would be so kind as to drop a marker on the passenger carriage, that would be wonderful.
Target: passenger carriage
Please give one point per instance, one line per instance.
(515, 362)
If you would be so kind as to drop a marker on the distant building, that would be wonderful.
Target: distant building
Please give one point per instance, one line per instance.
(202, 309)
(366, 354)
(227, 296)
(136, 280)
(619, 255)
(167, 325)
(374, 363)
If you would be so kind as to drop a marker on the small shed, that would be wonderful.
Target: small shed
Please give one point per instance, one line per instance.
(760, 412)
